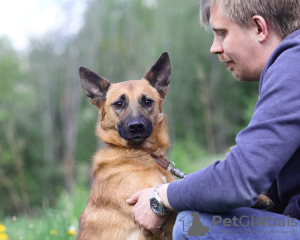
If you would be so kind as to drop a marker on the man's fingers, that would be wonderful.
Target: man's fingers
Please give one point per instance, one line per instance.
(144, 231)
(134, 198)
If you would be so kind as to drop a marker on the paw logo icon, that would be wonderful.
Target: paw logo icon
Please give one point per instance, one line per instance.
(260, 221)
(193, 226)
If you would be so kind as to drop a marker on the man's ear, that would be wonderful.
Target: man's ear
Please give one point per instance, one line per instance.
(262, 30)
(159, 75)
(93, 85)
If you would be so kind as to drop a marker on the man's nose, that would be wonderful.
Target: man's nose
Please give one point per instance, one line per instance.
(216, 47)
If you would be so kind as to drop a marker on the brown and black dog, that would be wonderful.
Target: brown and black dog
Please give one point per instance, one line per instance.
(134, 129)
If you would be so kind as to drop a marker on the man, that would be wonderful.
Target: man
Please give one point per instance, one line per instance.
(257, 41)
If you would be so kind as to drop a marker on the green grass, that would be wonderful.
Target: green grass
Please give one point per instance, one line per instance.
(54, 223)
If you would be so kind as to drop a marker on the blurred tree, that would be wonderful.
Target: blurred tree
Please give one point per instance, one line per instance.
(13, 99)
(59, 97)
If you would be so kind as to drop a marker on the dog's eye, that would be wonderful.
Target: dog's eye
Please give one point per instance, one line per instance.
(148, 102)
(119, 104)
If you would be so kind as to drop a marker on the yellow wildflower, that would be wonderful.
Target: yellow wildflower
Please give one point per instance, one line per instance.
(3, 236)
(2, 228)
(53, 232)
(72, 230)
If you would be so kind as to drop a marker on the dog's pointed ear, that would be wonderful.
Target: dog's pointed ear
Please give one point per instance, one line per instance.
(159, 75)
(93, 85)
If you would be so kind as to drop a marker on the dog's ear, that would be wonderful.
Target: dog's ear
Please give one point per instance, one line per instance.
(159, 75)
(93, 85)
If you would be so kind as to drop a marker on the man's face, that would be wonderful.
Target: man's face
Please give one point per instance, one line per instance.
(237, 47)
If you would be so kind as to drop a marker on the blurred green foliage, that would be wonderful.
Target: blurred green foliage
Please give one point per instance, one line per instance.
(60, 222)
(47, 126)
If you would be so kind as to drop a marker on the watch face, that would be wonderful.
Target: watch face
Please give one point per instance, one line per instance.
(155, 205)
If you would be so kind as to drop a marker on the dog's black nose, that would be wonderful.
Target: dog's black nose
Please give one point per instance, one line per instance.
(136, 126)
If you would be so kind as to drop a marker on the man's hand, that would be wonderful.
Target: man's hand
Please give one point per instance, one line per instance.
(142, 214)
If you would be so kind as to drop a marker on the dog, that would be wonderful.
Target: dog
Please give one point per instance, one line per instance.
(134, 128)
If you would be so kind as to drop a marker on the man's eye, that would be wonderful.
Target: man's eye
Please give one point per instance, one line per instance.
(119, 104)
(148, 102)
(221, 33)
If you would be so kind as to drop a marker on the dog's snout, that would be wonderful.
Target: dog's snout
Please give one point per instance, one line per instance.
(136, 129)
(136, 126)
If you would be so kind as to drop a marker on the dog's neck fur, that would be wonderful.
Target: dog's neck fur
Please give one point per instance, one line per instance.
(156, 145)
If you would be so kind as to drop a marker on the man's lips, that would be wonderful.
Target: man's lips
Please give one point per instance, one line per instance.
(227, 64)
(227, 61)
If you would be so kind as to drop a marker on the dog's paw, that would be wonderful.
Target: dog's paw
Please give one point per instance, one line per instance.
(263, 202)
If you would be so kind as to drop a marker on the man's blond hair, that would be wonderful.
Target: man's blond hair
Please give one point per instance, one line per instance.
(283, 15)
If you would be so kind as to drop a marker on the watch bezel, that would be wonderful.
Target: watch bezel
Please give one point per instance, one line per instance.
(157, 206)
(155, 199)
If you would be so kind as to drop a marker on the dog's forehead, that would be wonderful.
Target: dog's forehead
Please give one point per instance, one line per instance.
(132, 88)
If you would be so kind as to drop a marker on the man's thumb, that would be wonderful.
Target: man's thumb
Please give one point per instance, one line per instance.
(134, 198)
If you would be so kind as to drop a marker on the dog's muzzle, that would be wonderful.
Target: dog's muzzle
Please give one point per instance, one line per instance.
(135, 130)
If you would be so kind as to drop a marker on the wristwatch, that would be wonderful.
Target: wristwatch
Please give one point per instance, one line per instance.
(156, 203)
